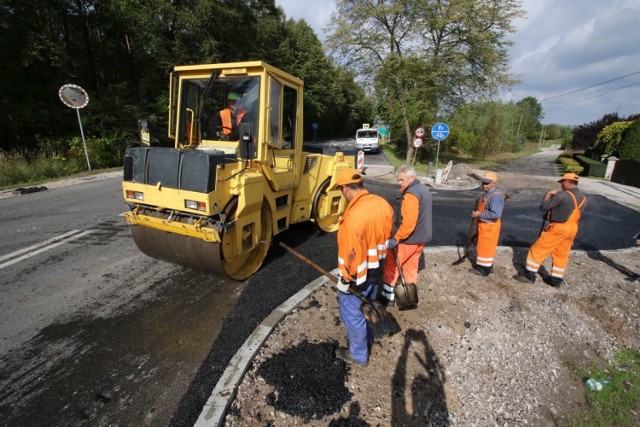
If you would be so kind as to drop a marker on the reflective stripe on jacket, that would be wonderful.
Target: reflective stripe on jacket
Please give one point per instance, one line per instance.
(363, 236)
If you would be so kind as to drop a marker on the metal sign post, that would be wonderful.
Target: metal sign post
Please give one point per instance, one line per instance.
(417, 143)
(73, 96)
(439, 131)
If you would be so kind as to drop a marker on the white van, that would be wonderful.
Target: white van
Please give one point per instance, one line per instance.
(368, 140)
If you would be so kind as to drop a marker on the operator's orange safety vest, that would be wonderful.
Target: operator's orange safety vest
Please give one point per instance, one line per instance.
(227, 123)
(363, 236)
(227, 120)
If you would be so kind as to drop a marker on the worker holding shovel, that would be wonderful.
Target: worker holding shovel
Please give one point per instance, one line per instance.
(488, 214)
(363, 235)
(411, 230)
(564, 209)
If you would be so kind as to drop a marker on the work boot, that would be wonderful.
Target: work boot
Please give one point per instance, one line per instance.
(526, 276)
(387, 302)
(343, 353)
(556, 282)
(481, 270)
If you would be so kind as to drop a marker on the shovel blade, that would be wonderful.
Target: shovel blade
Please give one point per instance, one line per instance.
(406, 296)
(386, 326)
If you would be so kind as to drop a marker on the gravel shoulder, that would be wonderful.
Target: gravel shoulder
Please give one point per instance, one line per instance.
(477, 351)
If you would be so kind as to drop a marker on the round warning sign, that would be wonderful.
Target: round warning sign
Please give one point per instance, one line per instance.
(417, 143)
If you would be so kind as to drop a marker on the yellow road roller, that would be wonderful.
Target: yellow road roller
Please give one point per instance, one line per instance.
(237, 175)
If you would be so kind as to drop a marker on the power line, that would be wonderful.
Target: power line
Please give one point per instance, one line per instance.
(595, 96)
(589, 87)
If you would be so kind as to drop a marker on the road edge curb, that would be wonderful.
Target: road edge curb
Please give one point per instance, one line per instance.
(215, 409)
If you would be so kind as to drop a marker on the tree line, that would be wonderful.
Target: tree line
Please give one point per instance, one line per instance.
(401, 63)
(120, 52)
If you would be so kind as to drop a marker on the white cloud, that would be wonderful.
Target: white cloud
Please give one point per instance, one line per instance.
(560, 46)
(316, 12)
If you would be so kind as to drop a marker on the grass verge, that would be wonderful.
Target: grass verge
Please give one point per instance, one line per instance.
(618, 403)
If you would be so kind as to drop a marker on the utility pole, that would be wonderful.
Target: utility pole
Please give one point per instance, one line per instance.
(518, 131)
(540, 140)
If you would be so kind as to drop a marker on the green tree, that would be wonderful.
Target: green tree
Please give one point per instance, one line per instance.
(554, 131)
(532, 114)
(120, 51)
(610, 137)
(424, 56)
(630, 147)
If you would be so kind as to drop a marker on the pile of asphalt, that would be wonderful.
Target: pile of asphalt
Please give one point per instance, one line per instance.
(309, 380)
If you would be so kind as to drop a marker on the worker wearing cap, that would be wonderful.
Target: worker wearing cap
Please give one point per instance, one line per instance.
(412, 228)
(230, 116)
(489, 214)
(563, 209)
(363, 234)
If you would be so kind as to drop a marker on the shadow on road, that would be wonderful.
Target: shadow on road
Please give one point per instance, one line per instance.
(593, 253)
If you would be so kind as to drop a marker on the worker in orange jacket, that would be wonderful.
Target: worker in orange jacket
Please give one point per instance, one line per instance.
(363, 234)
(563, 210)
(412, 228)
(489, 215)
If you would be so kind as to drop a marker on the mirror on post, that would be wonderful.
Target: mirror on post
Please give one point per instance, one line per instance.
(73, 96)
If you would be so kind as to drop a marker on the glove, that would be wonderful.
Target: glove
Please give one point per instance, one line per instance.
(343, 287)
(393, 243)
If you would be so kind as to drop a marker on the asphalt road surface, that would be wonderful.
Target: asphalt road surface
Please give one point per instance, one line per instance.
(92, 332)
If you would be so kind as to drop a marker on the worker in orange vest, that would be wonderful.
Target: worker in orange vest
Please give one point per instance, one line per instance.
(489, 214)
(231, 117)
(412, 229)
(563, 209)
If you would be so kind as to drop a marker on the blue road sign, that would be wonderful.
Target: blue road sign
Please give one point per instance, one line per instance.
(439, 131)
(315, 125)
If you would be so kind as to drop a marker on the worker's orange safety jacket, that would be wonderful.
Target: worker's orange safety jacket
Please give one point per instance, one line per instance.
(363, 236)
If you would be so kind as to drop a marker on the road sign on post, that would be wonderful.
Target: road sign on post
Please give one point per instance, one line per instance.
(439, 131)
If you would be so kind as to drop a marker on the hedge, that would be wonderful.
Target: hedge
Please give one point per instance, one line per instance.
(570, 165)
(591, 166)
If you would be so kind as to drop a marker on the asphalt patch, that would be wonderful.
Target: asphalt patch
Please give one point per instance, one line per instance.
(309, 381)
(29, 190)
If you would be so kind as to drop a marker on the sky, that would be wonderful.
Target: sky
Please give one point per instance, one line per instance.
(590, 48)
